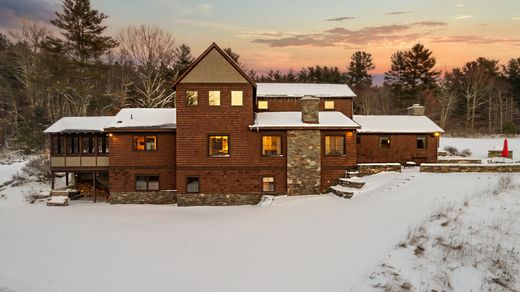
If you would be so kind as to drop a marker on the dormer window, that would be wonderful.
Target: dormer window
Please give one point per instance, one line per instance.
(214, 98)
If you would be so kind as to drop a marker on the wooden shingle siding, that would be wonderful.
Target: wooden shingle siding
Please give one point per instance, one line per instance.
(402, 149)
(282, 104)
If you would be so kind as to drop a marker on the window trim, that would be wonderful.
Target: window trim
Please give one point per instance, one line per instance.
(262, 184)
(325, 144)
(196, 100)
(219, 98)
(147, 182)
(425, 142)
(198, 179)
(262, 145)
(325, 105)
(134, 148)
(381, 137)
(219, 155)
(241, 99)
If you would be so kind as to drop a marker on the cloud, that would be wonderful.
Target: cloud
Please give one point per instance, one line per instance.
(475, 40)
(459, 5)
(516, 18)
(460, 17)
(430, 23)
(398, 12)
(13, 11)
(340, 18)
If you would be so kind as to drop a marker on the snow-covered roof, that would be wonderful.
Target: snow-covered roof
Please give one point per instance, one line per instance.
(135, 118)
(278, 120)
(302, 89)
(396, 124)
(79, 125)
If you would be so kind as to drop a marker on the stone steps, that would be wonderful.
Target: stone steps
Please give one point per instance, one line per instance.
(58, 201)
(351, 183)
(346, 194)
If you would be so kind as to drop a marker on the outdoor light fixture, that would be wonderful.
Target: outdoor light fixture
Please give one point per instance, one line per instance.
(436, 134)
(110, 135)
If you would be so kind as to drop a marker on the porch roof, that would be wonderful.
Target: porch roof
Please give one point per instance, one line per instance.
(79, 125)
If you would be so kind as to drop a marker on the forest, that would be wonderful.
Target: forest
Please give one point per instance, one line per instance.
(70, 67)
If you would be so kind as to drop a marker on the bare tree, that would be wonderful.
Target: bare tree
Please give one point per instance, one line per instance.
(446, 97)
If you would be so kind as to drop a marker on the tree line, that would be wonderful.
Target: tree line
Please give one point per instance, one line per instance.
(81, 71)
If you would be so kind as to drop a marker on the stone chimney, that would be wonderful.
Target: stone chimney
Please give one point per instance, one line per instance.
(310, 109)
(416, 110)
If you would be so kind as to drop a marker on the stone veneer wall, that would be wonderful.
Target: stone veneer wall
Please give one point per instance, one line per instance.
(498, 153)
(217, 199)
(447, 168)
(159, 197)
(303, 162)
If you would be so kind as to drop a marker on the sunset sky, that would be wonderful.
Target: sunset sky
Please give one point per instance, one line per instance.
(284, 34)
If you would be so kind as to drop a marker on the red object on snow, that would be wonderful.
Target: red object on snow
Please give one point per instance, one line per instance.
(505, 150)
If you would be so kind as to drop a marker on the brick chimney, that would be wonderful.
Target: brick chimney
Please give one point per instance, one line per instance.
(416, 110)
(310, 109)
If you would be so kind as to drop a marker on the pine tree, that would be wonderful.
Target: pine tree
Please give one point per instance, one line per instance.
(183, 60)
(82, 28)
(357, 70)
(419, 67)
(395, 77)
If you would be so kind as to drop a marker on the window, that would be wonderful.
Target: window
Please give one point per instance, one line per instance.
(102, 144)
(358, 139)
(262, 104)
(384, 142)
(214, 98)
(329, 104)
(218, 145)
(147, 183)
(237, 98)
(334, 145)
(88, 144)
(421, 142)
(271, 145)
(145, 143)
(192, 184)
(192, 98)
(268, 184)
(72, 144)
(58, 144)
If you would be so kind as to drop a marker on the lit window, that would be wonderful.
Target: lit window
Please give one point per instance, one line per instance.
(334, 145)
(268, 184)
(237, 98)
(192, 98)
(421, 142)
(214, 98)
(145, 143)
(329, 104)
(384, 142)
(147, 183)
(271, 145)
(192, 184)
(218, 145)
(263, 105)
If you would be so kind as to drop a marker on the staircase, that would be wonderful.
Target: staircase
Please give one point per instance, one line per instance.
(347, 185)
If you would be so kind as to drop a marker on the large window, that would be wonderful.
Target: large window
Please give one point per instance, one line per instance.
(72, 144)
(88, 144)
(263, 104)
(268, 184)
(102, 144)
(237, 98)
(421, 142)
(147, 183)
(192, 98)
(329, 104)
(145, 143)
(58, 144)
(335, 145)
(192, 184)
(271, 145)
(214, 98)
(218, 145)
(384, 142)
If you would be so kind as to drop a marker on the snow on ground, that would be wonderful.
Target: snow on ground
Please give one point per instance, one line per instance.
(311, 243)
(480, 146)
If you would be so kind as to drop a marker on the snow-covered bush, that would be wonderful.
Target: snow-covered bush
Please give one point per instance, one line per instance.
(38, 168)
(453, 151)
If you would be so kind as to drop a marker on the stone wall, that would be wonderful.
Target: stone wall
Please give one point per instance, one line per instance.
(303, 162)
(310, 109)
(185, 200)
(373, 168)
(498, 153)
(447, 168)
(159, 197)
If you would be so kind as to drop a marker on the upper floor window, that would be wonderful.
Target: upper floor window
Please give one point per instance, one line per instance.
(192, 98)
(102, 144)
(218, 145)
(384, 142)
(145, 143)
(263, 104)
(335, 145)
(237, 98)
(329, 104)
(72, 144)
(214, 98)
(421, 142)
(271, 145)
(147, 183)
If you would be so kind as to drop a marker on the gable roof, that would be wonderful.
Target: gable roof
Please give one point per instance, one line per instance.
(302, 89)
(79, 125)
(291, 120)
(144, 118)
(203, 55)
(396, 124)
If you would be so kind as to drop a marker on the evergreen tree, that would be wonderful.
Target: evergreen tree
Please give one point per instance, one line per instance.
(512, 73)
(234, 56)
(183, 60)
(82, 28)
(395, 77)
(357, 70)
(419, 67)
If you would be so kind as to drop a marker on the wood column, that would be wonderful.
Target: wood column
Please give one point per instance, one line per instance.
(52, 181)
(66, 178)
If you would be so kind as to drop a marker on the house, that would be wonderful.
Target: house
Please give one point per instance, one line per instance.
(230, 140)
